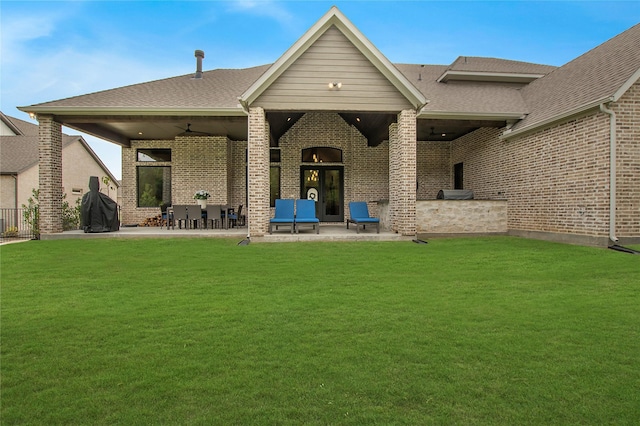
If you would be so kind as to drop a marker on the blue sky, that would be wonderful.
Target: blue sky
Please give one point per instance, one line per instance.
(56, 49)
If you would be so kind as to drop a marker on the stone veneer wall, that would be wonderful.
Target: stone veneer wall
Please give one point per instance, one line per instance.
(461, 217)
(196, 163)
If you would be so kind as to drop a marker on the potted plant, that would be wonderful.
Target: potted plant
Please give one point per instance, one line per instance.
(201, 197)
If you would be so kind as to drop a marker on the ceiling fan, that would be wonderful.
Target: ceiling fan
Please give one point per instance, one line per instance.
(436, 135)
(189, 132)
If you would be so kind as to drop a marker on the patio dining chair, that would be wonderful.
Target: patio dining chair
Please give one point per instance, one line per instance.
(283, 215)
(359, 214)
(214, 215)
(179, 216)
(306, 214)
(194, 215)
(236, 218)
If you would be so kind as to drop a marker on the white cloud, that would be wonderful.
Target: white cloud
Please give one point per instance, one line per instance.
(266, 8)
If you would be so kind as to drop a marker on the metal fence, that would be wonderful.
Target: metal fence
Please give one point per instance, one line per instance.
(14, 225)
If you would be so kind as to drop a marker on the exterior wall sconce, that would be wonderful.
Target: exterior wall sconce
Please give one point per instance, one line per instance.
(335, 85)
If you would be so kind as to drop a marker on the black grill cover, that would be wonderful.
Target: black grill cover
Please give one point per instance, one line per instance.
(455, 194)
(99, 213)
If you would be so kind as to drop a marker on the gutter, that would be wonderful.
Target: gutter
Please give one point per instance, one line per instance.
(508, 134)
(612, 172)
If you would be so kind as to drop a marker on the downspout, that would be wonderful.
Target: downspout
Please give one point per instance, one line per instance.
(245, 108)
(612, 172)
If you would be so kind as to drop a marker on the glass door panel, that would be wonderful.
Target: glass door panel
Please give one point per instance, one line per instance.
(325, 185)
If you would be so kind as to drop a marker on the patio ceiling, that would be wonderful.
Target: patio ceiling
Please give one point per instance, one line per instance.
(121, 130)
(373, 126)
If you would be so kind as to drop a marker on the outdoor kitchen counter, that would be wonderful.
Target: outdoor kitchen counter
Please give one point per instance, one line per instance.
(454, 216)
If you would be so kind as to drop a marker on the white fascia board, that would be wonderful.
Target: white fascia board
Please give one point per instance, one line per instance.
(284, 61)
(381, 62)
(146, 112)
(488, 76)
(626, 86)
(508, 134)
(450, 115)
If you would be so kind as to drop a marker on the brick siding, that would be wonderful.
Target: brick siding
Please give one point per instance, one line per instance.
(627, 111)
(50, 175)
(258, 169)
(366, 169)
(196, 163)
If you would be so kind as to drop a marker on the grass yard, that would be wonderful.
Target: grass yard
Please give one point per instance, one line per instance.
(202, 331)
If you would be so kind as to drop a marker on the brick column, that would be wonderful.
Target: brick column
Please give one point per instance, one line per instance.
(258, 211)
(50, 177)
(394, 183)
(402, 173)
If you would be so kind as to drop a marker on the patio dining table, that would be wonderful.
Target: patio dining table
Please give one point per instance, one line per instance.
(225, 210)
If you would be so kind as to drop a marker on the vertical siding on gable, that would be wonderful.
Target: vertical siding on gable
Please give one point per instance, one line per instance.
(332, 58)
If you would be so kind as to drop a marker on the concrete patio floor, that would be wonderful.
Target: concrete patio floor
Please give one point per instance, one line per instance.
(328, 232)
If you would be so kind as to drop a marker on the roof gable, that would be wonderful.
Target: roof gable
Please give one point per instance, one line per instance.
(334, 18)
(332, 74)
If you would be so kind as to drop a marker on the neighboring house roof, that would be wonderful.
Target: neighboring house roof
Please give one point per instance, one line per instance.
(601, 75)
(20, 152)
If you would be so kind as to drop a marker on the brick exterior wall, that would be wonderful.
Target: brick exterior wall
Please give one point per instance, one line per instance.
(402, 173)
(433, 169)
(238, 174)
(196, 163)
(556, 180)
(50, 175)
(627, 111)
(258, 169)
(366, 168)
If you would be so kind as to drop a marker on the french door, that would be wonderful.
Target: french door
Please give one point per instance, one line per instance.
(325, 185)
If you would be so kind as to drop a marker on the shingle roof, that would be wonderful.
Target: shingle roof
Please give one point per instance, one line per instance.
(216, 89)
(594, 76)
(481, 64)
(463, 97)
(219, 89)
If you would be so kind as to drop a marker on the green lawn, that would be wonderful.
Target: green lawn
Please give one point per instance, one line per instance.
(201, 331)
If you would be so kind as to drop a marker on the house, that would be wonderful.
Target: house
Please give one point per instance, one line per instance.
(19, 164)
(549, 152)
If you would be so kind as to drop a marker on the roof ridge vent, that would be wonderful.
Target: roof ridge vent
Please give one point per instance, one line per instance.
(199, 54)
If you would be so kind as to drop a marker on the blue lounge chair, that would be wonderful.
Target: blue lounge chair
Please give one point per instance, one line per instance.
(306, 213)
(359, 213)
(283, 216)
